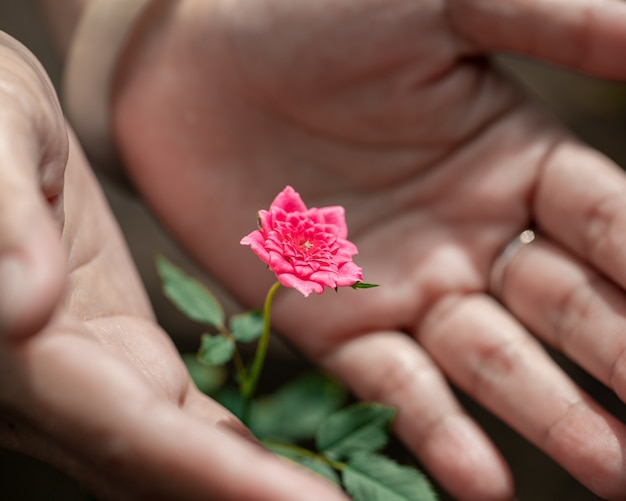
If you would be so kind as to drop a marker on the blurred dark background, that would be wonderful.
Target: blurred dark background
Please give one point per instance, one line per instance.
(594, 110)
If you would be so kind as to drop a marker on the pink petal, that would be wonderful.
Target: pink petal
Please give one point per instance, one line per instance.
(302, 270)
(307, 249)
(329, 279)
(303, 286)
(314, 215)
(278, 263)
(336, 217)
(349, 274)
(289, 200)
(256, 241)
(347, 247)
(267, 220)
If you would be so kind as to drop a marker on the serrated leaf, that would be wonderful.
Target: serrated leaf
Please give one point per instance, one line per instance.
(247, 327)
(360, 427)
(189, 295)
(208, 379)
(307, 459)
(372, 477)
(295, 411)
(216, 350)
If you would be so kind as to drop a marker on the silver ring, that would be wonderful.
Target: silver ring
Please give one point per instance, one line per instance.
(501, 263)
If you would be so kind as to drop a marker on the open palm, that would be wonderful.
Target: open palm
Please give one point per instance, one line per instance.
(101, 392)
(390, 109)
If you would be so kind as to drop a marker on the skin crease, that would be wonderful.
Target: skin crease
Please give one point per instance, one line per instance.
(148, 425)
(390, 109)
(91, 383)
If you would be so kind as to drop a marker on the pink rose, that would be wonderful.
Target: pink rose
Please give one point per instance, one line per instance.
(306, 248)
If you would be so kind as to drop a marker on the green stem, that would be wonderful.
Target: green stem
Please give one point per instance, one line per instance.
(240, 367)
(248, 387)
(286, 449)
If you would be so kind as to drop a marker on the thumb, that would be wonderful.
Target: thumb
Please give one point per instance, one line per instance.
(32, 258)
(33, 154)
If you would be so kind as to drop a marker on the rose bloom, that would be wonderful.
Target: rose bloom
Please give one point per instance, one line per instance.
(307, 249)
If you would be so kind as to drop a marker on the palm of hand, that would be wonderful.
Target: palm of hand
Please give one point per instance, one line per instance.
(101, 392)
(88, 390)
(406, 137)
(380, 107)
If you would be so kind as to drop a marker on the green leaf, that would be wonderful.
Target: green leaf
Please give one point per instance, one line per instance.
(208, 379)
(363, 285)
(189, 295)
(247, 327)
(305, 458)
(360, 427)
(296, 411)
(230, 398)
(371, 477)
(216, 350)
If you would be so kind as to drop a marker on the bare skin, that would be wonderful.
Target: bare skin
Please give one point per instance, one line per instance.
(91, 383)
(391, 109)
(388, 107)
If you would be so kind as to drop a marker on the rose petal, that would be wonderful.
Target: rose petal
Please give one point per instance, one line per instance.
(266, 220)
(289, 201)
(335, 217)
(307, 249)
(347, 248)
(278, 263)
(305, 287)
(349, 274)
(329, 279)
(256, 241)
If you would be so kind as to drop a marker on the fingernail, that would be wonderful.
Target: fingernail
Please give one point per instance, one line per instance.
(13, 291)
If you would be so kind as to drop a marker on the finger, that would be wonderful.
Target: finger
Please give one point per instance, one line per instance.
(110, 420)
(389, 367)
(32, 261)
(570, 307)
(580, 202)
(33, 150)
(492, 358)
(587, 35)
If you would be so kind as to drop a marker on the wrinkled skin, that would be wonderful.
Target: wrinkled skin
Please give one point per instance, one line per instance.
(390, 108)
(90, 383)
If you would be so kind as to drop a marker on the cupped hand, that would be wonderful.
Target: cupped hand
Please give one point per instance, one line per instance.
(90, 383)
(391, 109)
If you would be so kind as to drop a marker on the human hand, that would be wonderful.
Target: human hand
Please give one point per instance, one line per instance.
(391, 109)
(90, 383)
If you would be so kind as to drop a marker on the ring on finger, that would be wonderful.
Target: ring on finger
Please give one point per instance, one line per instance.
(500, 265)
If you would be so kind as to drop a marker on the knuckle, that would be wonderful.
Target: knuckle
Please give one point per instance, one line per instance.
(497, 363)
(400, 377)
(617, 374)
(572, 311)
(602, 221)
